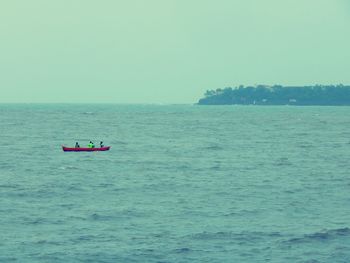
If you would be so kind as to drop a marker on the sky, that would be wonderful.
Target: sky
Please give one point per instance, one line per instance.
(167, 51)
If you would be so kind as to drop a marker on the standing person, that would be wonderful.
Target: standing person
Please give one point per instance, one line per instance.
(77, 145)
(101, 144)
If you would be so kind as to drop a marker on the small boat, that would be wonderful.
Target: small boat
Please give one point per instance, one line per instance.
(81, 149)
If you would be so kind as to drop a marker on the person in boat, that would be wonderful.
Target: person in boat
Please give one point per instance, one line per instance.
(77, 145)
(91, 145)
(101, 144)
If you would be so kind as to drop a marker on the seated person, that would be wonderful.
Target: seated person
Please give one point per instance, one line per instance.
(77, 145)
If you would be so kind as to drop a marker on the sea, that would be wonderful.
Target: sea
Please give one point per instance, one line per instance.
(181, 183)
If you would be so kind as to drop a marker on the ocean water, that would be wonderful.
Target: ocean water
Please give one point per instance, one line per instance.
(181, 183)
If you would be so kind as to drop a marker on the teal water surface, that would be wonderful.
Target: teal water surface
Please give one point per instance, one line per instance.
(180, 184)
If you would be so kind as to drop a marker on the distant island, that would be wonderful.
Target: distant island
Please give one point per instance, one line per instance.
(331, 95)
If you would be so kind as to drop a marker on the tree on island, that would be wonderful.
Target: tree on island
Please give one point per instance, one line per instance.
(279, 95)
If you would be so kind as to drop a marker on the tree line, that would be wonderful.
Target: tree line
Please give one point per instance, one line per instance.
(279, 95)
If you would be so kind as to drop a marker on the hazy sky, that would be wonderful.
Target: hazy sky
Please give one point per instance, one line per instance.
(167, 51)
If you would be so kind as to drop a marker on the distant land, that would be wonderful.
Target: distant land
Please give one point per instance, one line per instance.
(338, 95)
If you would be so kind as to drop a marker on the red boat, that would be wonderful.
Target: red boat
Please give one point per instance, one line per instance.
(80, 149)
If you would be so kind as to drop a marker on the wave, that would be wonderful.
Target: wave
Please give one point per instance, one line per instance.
(306, 146)
(116, 142)
(9, 186)
(229, 235)
(182, 250)
(69, 167)
(213, 148)
(322, 236)
(283, 162)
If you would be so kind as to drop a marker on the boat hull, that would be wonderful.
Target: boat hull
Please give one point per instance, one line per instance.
(81, 149)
